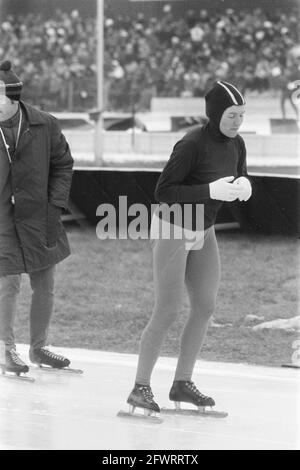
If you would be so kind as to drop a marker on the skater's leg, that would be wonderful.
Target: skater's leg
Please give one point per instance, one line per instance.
(169, 264)
(9, 290)
(42, 284)
(202, 280)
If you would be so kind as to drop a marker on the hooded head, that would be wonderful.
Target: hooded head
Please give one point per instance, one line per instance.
(10, 84)
(219, 98)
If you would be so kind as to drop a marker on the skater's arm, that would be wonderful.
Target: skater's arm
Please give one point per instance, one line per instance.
(242, 164)
(243, 179)
(61, 165)
(171, 185)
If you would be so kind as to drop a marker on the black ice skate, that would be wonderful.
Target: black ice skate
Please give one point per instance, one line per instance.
(14, 367)
(48, 360)
(142, 397)
(187, 392)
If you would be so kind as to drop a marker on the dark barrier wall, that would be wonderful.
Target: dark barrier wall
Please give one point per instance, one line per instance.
(115, 7)
(273, 208)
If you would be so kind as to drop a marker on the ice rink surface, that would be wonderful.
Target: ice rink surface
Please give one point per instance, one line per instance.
(77, 412)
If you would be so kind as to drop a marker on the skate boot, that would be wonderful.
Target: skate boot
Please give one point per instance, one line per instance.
(14, 367)
(48, 360)
(43, 357)
(142, 397)
(186, 391)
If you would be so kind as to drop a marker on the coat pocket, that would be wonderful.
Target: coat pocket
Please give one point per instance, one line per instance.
(53, 224)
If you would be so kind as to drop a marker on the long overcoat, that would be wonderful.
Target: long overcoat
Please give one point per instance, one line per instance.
(32, 236)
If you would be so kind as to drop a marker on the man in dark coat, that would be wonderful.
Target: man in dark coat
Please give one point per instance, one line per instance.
(35, 179)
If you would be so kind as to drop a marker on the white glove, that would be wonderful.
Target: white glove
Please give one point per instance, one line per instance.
(223, 190)
(245, 188)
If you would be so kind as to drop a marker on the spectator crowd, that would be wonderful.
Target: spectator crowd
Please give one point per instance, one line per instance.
(146, 57)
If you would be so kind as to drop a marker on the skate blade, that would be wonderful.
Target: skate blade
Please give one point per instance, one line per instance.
(190, 412)
(62, 369)
(127, 414)
(21, 378)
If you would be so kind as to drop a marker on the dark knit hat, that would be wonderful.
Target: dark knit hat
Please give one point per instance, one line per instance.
(11, 81)
(220, 97)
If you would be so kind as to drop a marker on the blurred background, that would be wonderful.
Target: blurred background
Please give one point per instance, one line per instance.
(159, 59)
(152, 49)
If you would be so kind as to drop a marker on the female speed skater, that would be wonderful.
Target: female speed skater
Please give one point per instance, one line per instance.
(207, 166)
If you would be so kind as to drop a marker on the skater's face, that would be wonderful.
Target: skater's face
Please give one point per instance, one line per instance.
(231, 120)
(7, 107)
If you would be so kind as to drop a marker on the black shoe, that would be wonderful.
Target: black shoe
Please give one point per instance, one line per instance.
(43, 357)
(13, 363)
(142, 397)
(187, 392)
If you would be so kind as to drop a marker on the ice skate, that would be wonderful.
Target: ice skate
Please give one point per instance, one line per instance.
(187, 392)
(50, 361)
(14, 367)
(142, 397)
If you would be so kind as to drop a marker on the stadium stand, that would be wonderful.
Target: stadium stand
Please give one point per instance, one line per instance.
(148, 56)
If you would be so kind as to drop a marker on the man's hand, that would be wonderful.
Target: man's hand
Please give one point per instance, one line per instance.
(244, 187)
(223, 190)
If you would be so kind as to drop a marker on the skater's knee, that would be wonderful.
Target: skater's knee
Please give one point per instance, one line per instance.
(10, 285)
(204, 307)
(43, 281)
(42, 287)
(208, 311)
(161, 322)
(167, 321)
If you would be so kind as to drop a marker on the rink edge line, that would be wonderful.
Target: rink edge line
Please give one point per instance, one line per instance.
(238, 370)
